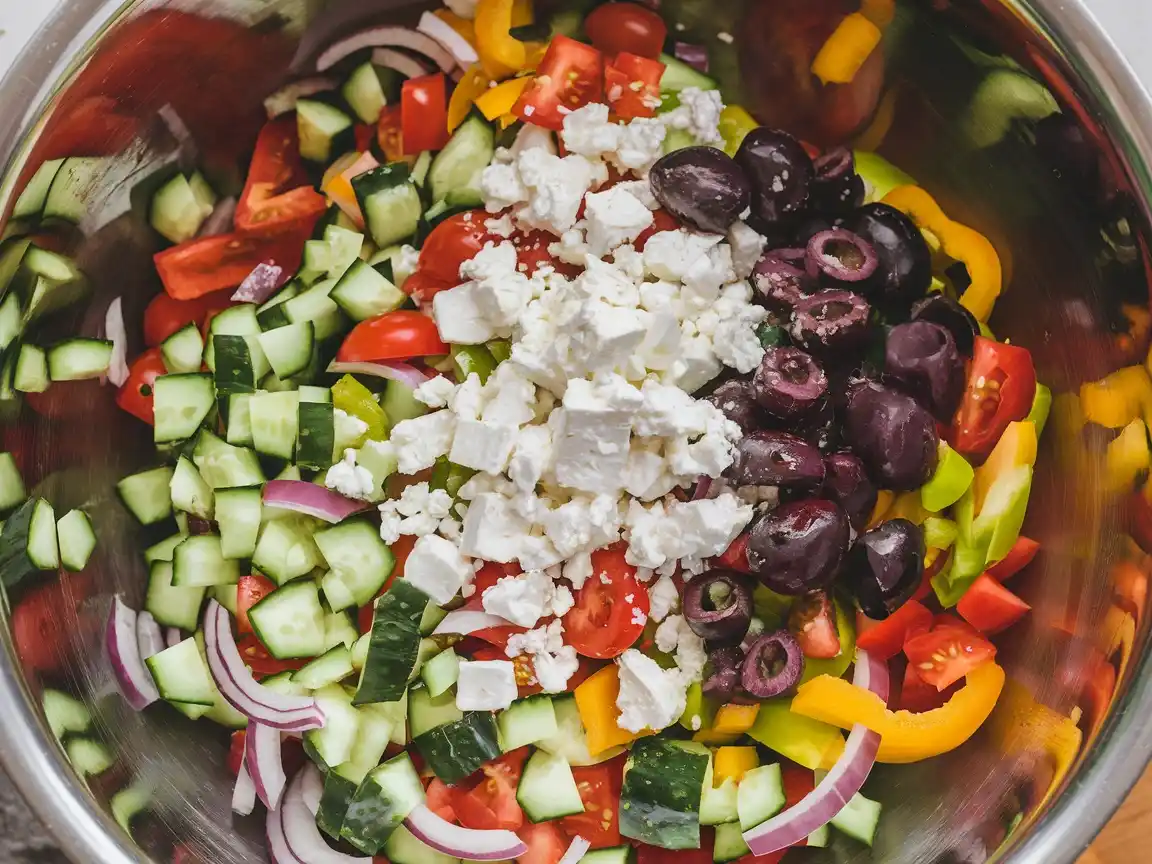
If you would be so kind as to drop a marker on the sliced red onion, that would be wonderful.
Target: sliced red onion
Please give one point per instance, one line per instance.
(114, 331)
(465, 621)
(244, 792)
(149, 639)
(694, 55)
(219, 221)
(265, 764)
(304, 840)
(703, 487)
(313, 788)
(236, 684)
(264, 280)
(577, 849)
(132, 675)
(385, 37)
(464, 843)
(310, 499)
(838, 786)
(278, 850)
(393, 370)
(284, 99)
(398, 61)
(448, 39)
(187, 152)
(173, 636)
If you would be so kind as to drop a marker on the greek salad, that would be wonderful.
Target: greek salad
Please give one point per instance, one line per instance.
(572, 468)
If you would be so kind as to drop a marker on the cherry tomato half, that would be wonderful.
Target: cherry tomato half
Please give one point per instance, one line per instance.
(399, 335)
(42, 620)
(250, 591)
(611, 609)
(599, 787)
(256, 656)
(209, 264)
(390, 134)
(424, 113)
(165, 314)
(813, 620)
(1001, 386)
(546, 843)
(617, 28)
(452, 242)
(570, 76)
(135, 396)
(989, 606)
(490, 803)
(948, 652)
(885, 639)
(277, 195)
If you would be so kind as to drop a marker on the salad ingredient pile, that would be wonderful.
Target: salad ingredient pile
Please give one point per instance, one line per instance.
(564, 460)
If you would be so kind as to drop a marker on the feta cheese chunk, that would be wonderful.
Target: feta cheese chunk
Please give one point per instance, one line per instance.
(350, 479)
(556, 188)
(589, 132)
(435, 392)
(421, 441)
(662, 598)
(531, 458)
(747, 246)
(485, 685)
(698, 113)
(493, 530)
(482, 445)
(437, 568)
(671, 254)
(650, 697)
(641, 144)
(553, 661)
(685, 530)
(526, 598)
(592, 434)
(614, 217)
(461, 315)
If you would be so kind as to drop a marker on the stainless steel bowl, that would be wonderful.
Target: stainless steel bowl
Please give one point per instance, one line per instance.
(1065, 199)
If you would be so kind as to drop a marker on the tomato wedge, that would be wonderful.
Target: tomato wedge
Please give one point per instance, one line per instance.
(209, 264)
(604, 623)
(948, 652)
(735, 557)
(277, 195)
(622, 27)
(263, 663)
(989, 606)
(599, 787)
(1001, 387)
(490, 803)
(165, 314)
(632, 85)
(1018, 557)
(452, 242)
(885, 639)
(42, 620)
(813, 620)
(390, 134)
(235, 756)
(546, 843)
(250, 591)
(399, 335)
(424, 114)
(570, 76)
(439, 799)
(135, 396)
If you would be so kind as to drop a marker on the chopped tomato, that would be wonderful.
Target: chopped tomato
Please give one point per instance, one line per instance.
(390, 134)
(626, 27)
(632, 85)
(209, 264)
(570, 76)
(917, 695)
(65, 399)
(424, 113)
(1018, 557)
(948, 652)
(399, 335)
(735, 557)
(452, 242)
(885, 639)
(439, 799)
(490, 803)
(546, 843)
(599, 787)
(250, 591)
(1000, 389)
(989, 606)
(813, 620)
(236, 751)
(277, 194)
(401, 549)
(135, 396)
(1097, 689)
(363, 136)
(165, 314)
(43, 619)
(532, 254)
(261, 662)
(611, 609)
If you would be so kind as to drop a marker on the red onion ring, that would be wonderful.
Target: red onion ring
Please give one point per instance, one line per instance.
(448, 39)
(576, 850)
(694, 55)
(149, 639)
(132, 676)
(278, 849)
(303, 838)
(285, 99)
(405, 64)
(301, 496)
(393, 370)
(265, 280)
(244, 792)
(464, 843)
(264, 761)
(312, 789)
(115, 332)
(385, 37)
(464, 621)
(703, 487)
(173, 636)
(219, 221)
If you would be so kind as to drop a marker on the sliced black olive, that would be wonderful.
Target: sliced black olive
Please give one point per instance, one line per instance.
(718, 606)
(773, 665)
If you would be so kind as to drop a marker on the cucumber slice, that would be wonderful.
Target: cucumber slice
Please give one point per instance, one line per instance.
(176, 213)
(360, 562)
(239, 427)
(65, 714)
(333, 744)
(43, 547)
(12, 491)
(183, 351)
(441, 673)
(390, 203)
(526, 722)
(678, 76)
(399, 403)
(79, 359)
(383, 801)
(30, 204)
(290, 622)
(181, 675)
(368, 90)
(394, 648)
(316, 436)
(332, 666)
(170, 605)
(729, 843)
(199, 562)
(547, 788)
(285, 549)
(76, 538)
(289, 349)
(324, 130)
(426, 712)
(760, 796)
(31, 374)
(859, 818)
(180, 404)
(274, 418)
(72, 187)
(660, 799)
(238, 513)
(224, 466)
(570, 740)
(454, 750)
(403, 847)
(189, 491)
(363, 292)
(459, 165)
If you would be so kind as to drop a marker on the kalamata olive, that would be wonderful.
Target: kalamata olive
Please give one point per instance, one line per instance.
(951, 316)
(780, 282)
(788, 382)
(702, 186)
(922, 356)
(893, 434)
(830, 322)
(839, 259)
(799, 546)
(836, 188)
(885, 566)
(767, 457)
(819, 426)
(773, 665)
(780, 171)
(722, 677)
(718, 606)
(904, 269)
(847, 483)
(736, 399)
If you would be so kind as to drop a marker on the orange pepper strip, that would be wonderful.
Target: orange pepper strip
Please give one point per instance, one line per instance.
(498, 100)
(501, 54)
(472, 86)
(904, 736)
(846, 50)
(733, 762)
(523, 13)
(596, 702)
(960, 243)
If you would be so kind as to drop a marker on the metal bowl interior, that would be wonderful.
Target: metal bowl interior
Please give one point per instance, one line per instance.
(1021, 119)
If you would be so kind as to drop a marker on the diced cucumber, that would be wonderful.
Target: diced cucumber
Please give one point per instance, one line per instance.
(79, 359)
(395, 644)
(224, 466)
(12, 323)
(183, 351)
(226, 596)
(390, 203)
(359, 561)
(180, 405)
(729, 844)
(12, 491)
(238, 512)
(199, 562)
(239, 320)
(181, 675)
(274, 418)
(612, 855)
(189, 491)
(71, 190)
(760, 795)
(285, 549)
(31, 375)
(88, 756)
(340, 629)
(290, 621)
(15, 563)
(324, 130)
(30, 204)
(289, 349)
(383, 801)
(204, 194)
(46, 282)
(547, 788)
(570, 740)
(65, 714)
(315, 439)
(368, 90)
(333, 744)
(76, 539)
(234, 361)
(660, 799)
(272, 315)
(176, 212)
(678, 76)
(169, 605)
(858, 818)
(527, 721)
(363, 292)
(718, 803)
(332, 666)
(441, 672)
(43, 549)
(147, 494)
(454, 750)
(317, 306)
(420, 168)
(341, 782)
(400, 403)
(432, 616)
(239, 429)
(459, 165)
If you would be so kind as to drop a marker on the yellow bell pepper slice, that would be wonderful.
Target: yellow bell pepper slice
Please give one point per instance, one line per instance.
(884, 500)
(1127, 457)
(463, 26)
(959, 242)
(735, 719)
(904, 736)
(1016, 447)
(733, 762)
(498, 101)
(523, 13)
(1117, 400)
(805, 741)
(846, 50)
(472, 86)
(735, 123)
(596, 702)
(879, 12)
(501, 54)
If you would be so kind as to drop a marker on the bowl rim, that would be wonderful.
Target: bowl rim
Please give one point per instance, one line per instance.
(1109, 768)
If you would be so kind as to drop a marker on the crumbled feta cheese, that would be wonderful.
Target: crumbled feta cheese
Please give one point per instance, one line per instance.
(641, 144)
(493, 530)
(467, 400)
(521, 599)
(350, 479)
(554, 661)
(661, 342)
(669, 411)
(650, 697)
(556, 188)
(418, 512)
(483, 446)
(531, 458)
(435, 392)
(502, 187)
(698, 113)
(674, 636)
(347, 427)
(696, 365)
(485, 685)
(460, 315)
(735, 341)
(747, 246)
(686, 529)
(593, 432)
(437, 568)
(511, 397)
(670, 254)
(608, 282)
(422, 440)
(605, 337)
(662, 598)
(614, 217)
(500, 227)
(589, 132)
(493, 261)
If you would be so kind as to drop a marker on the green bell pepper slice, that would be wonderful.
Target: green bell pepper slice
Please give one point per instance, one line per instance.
(352, 397)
